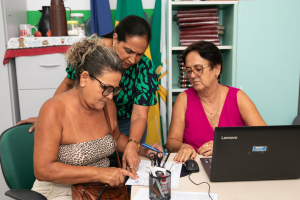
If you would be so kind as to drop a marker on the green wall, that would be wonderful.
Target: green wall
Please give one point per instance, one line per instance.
(268, 64)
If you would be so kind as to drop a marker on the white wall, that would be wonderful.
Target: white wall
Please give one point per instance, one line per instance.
(80, 4)
(12, 13)
(5, 100)
(6, 119)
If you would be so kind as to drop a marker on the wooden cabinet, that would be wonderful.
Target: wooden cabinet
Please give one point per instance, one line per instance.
(228, 17)
(38, 78)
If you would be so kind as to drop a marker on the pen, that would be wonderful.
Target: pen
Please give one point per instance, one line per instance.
(151, 148)
(167, 158)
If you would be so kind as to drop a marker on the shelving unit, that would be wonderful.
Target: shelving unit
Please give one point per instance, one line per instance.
(227, 17)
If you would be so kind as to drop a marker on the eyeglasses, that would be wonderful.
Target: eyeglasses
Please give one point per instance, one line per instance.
(197, 69)
(109, 89)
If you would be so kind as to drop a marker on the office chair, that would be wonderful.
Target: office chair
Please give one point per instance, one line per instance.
(16, 158)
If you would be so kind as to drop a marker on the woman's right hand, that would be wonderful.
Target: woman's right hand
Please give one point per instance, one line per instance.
(31, 120)
(114, 176)
(186, 151)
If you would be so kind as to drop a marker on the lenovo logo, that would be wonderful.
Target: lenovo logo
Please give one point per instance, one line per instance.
(229, 138)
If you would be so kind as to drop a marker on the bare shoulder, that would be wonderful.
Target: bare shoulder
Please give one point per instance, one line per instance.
(53, 105)
(181, 101)
(181, 98)
(248, 110)
(52, 110)
(243, 99)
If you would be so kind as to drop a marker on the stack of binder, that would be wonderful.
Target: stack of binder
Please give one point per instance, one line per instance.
(200, 24)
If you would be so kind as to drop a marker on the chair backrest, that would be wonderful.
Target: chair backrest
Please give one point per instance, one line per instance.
(16, 156)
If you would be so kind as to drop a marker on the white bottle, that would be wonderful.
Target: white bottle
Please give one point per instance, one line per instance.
(164, 185)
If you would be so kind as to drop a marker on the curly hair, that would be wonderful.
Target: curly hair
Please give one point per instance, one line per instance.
(90, 54)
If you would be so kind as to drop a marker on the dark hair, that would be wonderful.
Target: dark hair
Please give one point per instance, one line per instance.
(206, 50)
(92, 56)
(108, 35)
(131, 26)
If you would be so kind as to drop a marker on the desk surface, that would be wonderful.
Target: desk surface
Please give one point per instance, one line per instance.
(242, 190)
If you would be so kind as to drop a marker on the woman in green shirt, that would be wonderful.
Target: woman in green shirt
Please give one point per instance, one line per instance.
(139, 81)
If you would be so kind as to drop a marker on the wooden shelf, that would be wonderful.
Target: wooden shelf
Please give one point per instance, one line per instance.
(181, 48)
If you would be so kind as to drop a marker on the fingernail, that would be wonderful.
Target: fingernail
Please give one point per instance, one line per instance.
(193, 158)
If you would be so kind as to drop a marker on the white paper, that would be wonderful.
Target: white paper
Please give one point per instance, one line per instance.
(143, 193)
(144, 175)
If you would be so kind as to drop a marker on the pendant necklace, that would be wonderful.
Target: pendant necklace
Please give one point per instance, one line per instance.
(212, 116)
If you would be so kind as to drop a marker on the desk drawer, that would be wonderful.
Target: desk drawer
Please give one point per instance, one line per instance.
(31, 101)
(41, 72)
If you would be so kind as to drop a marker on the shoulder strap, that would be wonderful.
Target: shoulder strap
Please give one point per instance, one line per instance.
(111, 132)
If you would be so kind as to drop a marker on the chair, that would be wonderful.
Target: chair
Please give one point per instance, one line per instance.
(16, 158)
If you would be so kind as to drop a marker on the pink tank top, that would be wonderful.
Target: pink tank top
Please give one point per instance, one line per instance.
(197, 127)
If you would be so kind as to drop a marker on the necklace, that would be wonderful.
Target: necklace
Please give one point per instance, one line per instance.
(212, 116)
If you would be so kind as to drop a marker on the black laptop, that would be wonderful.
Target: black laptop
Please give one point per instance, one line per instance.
(254, 153)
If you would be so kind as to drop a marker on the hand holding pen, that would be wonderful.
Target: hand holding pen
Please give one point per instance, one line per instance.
(152, 148)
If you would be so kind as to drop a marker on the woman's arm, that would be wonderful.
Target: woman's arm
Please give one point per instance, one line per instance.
(65, 85)
(177, 126)
(138, 122)
(176, 132)
(48, 136)
(248, 110)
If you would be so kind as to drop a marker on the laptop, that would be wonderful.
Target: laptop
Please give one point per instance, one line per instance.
(254, 153)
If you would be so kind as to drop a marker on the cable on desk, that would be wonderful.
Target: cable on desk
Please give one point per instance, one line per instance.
(200, 184)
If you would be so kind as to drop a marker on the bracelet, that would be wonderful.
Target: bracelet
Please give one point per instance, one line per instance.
(137, 143)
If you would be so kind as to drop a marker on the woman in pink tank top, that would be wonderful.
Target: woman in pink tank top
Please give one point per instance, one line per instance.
(208, 104)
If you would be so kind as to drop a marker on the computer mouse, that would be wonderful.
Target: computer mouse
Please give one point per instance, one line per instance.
(191, 166)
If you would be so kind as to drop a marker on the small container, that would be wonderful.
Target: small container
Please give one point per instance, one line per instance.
(81, 22)
(160, 187)
(73, 28)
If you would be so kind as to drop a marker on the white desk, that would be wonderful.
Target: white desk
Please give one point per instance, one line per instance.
(242, 190)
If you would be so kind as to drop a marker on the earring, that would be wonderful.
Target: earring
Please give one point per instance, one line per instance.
(113, 47)
(82, 85)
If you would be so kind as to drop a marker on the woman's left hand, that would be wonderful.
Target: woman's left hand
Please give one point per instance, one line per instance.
(206, 149)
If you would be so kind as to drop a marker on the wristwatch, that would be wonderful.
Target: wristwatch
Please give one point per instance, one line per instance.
(137, 143)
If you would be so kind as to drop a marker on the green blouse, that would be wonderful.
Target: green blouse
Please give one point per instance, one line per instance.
(140, 85)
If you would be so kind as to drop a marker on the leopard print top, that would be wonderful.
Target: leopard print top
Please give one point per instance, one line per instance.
(93, 153)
